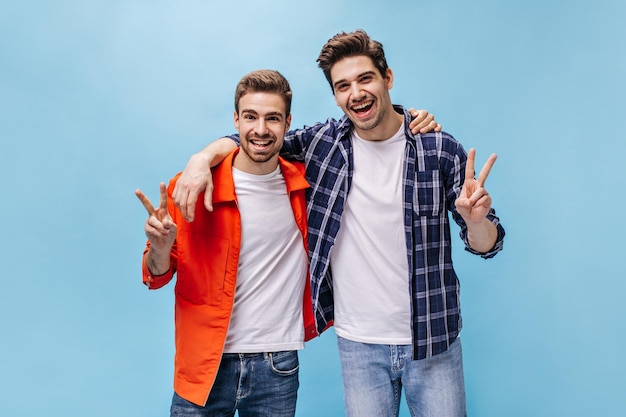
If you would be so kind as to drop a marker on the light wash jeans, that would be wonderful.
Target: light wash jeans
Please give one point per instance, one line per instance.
(374, 376)
(254, 384)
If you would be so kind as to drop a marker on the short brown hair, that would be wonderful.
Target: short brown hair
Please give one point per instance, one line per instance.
(266, 81)
(344, 45)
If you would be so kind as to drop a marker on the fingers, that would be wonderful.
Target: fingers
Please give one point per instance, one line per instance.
(179, 196)
(418, 117)
(188, 207)
(422, 122)
(159, 220)
(159, 228)
(474, 208)
(469, 164)
(480, 198)
(145, 201)
(176, 194)
(163, 191)
(181, 199)
(185, 199)
(148, 204)
(484, 172)
(433, 126)
(208, 197)
(413, 112)
(425, 126)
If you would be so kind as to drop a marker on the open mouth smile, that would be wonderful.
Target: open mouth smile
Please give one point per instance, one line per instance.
(260, 145)
(363, 107)
(260, 142)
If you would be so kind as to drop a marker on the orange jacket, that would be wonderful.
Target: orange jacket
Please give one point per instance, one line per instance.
(205, 257)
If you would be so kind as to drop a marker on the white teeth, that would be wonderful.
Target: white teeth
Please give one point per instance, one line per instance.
(362, 106)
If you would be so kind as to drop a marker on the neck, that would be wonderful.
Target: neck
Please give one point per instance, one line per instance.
(385, 129)
(252, 167)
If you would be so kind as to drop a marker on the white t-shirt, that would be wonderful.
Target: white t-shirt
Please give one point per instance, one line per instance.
(273, 264)
(369, 259)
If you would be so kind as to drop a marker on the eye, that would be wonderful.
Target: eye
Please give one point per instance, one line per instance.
(248, 117)
(342, 87)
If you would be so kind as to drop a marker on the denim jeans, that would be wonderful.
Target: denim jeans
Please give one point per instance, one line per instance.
(374, 376)
(254, 384)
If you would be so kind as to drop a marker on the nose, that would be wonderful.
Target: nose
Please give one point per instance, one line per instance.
(260, 127)
(355, 90)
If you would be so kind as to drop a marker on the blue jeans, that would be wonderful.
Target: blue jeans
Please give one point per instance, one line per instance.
(254, 384)
(374, 375)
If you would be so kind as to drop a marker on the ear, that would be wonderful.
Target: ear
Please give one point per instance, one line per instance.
(288, 122)
(236, 120)
(389, 78)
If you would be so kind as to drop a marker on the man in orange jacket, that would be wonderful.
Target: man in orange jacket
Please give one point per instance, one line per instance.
(243, 302)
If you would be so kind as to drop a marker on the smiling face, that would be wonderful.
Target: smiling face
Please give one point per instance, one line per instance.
(363, 94)
(261, 122)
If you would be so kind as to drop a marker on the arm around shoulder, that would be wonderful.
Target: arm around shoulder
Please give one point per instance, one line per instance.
(196, 177)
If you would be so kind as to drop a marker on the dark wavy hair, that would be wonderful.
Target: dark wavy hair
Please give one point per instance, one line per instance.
(344, 45)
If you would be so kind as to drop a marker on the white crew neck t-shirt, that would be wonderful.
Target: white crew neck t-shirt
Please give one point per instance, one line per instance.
(369, 259)
(273, 265)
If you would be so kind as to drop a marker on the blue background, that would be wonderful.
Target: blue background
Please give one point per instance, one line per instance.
(98, 98)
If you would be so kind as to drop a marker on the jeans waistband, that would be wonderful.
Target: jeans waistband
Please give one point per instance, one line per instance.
(252, 355)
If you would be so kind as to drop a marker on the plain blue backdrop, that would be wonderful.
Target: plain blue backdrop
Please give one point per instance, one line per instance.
(98, 98)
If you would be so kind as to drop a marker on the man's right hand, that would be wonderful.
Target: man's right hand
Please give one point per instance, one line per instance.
(161, 232)
(160, 228)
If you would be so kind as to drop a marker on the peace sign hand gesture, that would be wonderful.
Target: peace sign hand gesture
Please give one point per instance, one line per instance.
(474, 201)
(160, 228)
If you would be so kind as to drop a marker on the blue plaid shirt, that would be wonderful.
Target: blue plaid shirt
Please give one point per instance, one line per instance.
(433, 173)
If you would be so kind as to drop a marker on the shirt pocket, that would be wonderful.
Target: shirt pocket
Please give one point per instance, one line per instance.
(428, 196)
(202, 268)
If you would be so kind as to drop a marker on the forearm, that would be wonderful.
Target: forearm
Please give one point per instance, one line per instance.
(216, 151)
(158, 262)
(482, 236)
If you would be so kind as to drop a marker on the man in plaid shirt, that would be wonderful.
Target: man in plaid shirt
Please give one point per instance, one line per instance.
(379, 236)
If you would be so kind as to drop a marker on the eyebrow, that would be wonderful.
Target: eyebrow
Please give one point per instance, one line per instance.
(272, 113)
(370, 72)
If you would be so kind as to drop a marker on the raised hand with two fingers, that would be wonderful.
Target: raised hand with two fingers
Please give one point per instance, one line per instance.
(159, 227)
(474, 201)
